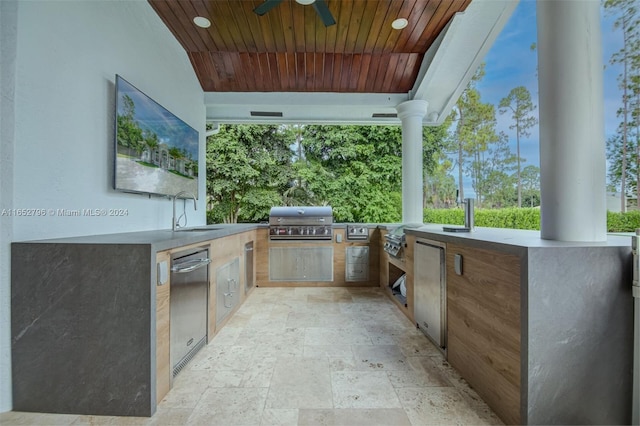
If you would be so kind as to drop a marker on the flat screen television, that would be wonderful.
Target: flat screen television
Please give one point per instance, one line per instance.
(155, 151)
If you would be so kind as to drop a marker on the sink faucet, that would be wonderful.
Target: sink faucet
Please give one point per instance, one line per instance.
(176, 221)
(469, 220)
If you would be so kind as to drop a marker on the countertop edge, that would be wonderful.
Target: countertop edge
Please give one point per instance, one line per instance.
(509, 240)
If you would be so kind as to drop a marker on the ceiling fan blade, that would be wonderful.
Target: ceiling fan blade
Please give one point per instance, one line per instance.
(266, 6)
(325, 14)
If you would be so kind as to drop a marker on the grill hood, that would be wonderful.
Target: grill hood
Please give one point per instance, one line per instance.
(301, 215)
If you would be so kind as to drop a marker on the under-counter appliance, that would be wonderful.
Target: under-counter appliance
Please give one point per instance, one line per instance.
(430, 291)
(301, 244)
(301, 223)
(357, 232)
(394, 241)
(188, 305)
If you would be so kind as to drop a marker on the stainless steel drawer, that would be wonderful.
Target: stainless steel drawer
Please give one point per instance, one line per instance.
(357, 254)
(357, 272)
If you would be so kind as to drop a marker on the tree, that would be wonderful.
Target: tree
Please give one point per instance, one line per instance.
(248, 170)
(531, 185)
(439, 185)
(464, 105)
(518, 101)
(619, 167)
(355, 169)
(628, 21)
(478, 133)
(358, 169)
(498, 179)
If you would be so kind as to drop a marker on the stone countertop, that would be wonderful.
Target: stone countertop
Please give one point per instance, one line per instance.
(166, 239)
(512, 240)
(162, 239)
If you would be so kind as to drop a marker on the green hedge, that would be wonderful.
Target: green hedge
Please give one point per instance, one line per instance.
(623, 222)
(524, 218)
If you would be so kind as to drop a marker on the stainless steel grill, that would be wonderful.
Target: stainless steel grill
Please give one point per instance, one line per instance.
(395, 241)
(301, 223)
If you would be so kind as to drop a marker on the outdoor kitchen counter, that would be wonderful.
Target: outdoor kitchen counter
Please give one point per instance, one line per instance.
(160, 240)
(542, 330)
(511, 240)
(84, 318)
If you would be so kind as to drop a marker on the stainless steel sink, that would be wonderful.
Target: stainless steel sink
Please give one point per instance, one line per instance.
(198, 229)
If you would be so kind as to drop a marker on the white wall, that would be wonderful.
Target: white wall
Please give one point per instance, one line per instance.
(8, 20)
(68, 53)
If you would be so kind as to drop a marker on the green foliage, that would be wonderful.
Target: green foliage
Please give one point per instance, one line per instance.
(623, 222)
(248, 169)
(519, 103)
(523, 218)
(512, 218)
(358, 169)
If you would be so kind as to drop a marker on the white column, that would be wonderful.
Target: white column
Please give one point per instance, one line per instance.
(411, 114)
(572, 141)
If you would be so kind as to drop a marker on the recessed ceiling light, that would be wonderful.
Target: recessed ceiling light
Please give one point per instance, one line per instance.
(305, 2)
(399, 23)
(202, 22)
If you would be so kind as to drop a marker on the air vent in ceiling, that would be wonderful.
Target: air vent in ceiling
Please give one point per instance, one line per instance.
(384, 115)
(266, 114)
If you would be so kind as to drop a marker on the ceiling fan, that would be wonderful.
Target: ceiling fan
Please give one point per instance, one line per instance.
(319, 5)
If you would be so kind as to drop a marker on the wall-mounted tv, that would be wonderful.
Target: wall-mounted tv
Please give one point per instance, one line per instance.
(156, 152)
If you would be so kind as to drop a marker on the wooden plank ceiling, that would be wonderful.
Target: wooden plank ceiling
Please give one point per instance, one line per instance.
(290, 50)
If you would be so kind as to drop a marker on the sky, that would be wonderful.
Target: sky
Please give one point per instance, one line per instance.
(511, 63)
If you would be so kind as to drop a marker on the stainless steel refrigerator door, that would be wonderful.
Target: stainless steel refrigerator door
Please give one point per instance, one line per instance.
(189, 306)
(429, 291)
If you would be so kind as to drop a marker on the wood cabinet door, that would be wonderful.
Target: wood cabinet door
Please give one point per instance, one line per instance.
(483, 317)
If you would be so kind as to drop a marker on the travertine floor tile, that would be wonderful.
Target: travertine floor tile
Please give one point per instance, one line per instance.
(187, 390)
(336, 336)
(310, 356)
(430, 406)
(230, 406)
(423, 372)
(227, 336)
(324, 351)
(300, 383)
(363, 389)
(279, 417)
(354, 417)
(22, 418)
(223, 358)
(259, 372)
(170, 416)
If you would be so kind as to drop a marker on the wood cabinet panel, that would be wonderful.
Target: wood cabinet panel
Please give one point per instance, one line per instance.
(163, 338)
(483, 316)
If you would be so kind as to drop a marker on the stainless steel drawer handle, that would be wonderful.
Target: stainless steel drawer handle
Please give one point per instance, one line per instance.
(231, 284)
(189, 265)
(226, 295)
